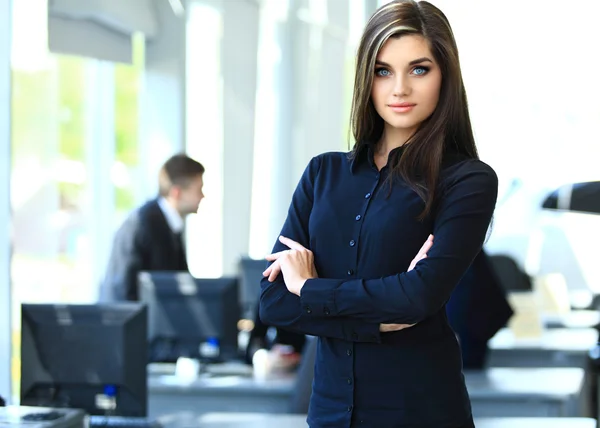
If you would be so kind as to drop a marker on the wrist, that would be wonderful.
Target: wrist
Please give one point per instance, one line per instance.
(300, 285)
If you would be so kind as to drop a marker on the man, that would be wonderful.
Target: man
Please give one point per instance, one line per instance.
(151, 237)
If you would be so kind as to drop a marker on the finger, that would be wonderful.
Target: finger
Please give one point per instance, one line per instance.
(267, 271)
(291, 243)
(274, 256)
(425, 247)
(275, 271)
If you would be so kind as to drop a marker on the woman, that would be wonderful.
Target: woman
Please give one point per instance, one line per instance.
(342, 268)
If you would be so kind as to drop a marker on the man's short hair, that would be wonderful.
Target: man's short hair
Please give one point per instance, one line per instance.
(179, 170)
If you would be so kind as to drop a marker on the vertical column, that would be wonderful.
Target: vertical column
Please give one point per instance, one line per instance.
(239, 53)
(204, 133)
(272, 182)
(321, 56)
(162, 124)
(307, 112)
(5, 217)
(100, 153)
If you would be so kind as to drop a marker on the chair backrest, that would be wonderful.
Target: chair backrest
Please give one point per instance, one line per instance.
(510, 275)
(301, 397)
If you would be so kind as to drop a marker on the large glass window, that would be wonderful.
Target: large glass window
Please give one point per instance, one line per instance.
(74, 141)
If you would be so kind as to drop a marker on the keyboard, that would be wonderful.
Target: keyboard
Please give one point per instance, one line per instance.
(122, 422)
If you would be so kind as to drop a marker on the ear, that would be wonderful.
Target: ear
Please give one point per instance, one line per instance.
(175, 192)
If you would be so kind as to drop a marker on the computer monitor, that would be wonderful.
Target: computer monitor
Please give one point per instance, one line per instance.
(90, 357)
(250, 276)
(186, 314)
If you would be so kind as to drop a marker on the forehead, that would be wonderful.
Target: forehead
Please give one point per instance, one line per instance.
(404, 49)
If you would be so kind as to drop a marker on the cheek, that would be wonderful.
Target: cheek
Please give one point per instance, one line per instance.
(431, 94)
(378, 97)
(378, 92)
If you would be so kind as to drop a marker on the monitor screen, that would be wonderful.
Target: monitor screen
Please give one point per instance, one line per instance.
(189, 316)
(90, 357)
(250, 276)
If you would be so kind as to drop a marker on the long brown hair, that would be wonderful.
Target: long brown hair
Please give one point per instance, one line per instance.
(448, 128)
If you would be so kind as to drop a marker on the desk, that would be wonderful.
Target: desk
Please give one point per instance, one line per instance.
(515, 392)
(257, 420)
(168, 394)
(577, 318)
(535, 423)
(558, 347)
(12, 417)
(526, 392)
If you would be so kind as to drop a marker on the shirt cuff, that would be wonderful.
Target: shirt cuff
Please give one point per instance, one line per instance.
(317, 297)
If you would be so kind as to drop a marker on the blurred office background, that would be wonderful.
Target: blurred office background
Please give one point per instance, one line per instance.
(95, 95)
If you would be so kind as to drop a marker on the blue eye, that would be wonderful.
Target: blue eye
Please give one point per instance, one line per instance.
(382, 72)
(420, 71)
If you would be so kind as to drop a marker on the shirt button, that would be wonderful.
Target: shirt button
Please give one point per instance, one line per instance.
(350, 272)
(352, 243)
(349, 408)
(308, 310)
(368, 195)
(358, 217)
(326, 311)
(349, 352)
(349, 381)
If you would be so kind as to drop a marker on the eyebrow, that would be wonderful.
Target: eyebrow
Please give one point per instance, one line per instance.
(413, 62)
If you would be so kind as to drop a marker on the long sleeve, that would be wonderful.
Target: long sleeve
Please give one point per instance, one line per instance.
(460, 226)
(126, 261)
(279, 307)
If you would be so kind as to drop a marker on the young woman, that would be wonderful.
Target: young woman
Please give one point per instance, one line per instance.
(344, 268)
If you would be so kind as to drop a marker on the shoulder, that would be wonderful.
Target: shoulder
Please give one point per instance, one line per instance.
(145, 216)
(458, 168)
(329, 161)
(332, 158)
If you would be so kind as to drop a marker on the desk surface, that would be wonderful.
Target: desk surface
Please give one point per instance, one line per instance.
(578, 340)
(258, 420)
(170, 384)
(579, 318)
(500, 383)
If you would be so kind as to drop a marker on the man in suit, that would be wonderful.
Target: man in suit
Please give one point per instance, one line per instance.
(151, 237)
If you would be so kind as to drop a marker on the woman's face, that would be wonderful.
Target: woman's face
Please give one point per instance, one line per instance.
(407, 82)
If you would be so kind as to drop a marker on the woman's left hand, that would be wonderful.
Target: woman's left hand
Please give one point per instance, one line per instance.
(296, 264)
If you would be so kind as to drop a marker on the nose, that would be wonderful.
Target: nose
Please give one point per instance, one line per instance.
(401, 85)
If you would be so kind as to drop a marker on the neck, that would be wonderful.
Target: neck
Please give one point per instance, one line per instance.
(392, 138)
(173, 205)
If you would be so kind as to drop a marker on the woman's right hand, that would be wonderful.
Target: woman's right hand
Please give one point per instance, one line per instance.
(422, 254)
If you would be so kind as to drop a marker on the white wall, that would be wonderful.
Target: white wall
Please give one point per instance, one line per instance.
(5, 294)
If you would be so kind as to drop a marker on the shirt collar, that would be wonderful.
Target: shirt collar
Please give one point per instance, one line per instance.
(173, 217)
(365, 154)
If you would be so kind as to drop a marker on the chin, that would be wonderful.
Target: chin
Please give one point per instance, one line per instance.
(403, 123)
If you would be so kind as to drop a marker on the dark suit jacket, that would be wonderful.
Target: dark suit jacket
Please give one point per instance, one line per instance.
(477, 309)
(144, 242)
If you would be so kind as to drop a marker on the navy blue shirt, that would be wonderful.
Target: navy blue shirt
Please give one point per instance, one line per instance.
(364, 235)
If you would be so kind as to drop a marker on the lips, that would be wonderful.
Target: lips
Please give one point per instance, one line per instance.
(402, 107)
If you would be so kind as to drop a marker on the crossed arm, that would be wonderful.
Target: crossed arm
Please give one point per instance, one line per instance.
(299, 300)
